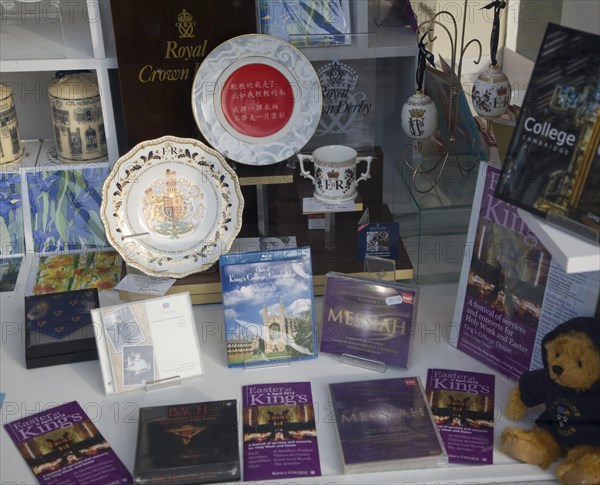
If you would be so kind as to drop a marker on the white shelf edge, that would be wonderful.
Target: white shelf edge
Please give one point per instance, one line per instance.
(574, 255)
(28, 65)
(95, 24)
(379, 44)
(518, 69)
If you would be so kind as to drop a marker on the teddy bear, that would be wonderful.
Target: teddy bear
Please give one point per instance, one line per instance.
(569, 388)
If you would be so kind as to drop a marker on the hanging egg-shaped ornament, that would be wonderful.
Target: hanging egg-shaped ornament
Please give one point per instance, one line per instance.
(419, 116)
(491, 93)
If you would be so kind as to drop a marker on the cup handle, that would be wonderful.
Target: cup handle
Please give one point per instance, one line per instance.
(305, 173)
(367, 173)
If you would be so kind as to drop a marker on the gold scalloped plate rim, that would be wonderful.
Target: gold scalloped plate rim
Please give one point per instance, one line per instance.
(108, 185)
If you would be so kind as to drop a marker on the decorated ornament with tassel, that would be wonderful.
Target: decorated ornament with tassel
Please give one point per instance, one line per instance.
(419, 115)
(491, 91)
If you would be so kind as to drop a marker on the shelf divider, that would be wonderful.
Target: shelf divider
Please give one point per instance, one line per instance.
(575, 255)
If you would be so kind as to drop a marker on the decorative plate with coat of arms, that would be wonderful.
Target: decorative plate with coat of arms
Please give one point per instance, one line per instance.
(171, 207)
(257, 99)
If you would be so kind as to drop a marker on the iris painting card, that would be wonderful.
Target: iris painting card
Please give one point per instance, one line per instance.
(11, 215)
(65, 208)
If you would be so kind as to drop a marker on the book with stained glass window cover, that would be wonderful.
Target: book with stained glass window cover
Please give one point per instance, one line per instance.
(280, 432)
(62, 445)
(462, 404)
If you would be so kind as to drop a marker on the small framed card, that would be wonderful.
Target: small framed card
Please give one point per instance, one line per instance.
(379, 239)
(147, 342)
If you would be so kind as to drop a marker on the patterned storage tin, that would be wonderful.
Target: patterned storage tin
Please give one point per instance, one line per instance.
(77, 117)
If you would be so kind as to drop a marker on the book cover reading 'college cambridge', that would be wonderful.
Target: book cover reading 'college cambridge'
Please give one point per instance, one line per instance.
(552, 167)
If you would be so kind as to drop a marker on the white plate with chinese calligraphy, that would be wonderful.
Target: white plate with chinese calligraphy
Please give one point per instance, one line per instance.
(171, 206)
(257, 99)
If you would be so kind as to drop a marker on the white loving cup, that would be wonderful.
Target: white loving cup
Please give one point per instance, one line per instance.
(335, 173)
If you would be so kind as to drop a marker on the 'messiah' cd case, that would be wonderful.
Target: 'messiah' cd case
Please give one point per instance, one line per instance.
(367, 319)
(385, 425)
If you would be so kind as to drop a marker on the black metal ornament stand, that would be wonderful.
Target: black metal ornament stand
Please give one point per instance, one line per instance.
(420, 169)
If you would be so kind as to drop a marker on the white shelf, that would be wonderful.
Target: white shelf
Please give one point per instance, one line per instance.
(390, 42)
(53, 65)
(41, 155)
(574, 255)
(383, 43)
(38, 39)
(43, 31)
(116, 415)
(43, 42)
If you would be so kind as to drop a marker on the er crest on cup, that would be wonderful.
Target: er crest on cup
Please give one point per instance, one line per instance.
(334, 173)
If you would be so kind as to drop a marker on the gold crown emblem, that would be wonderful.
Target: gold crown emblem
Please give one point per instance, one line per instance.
(502, 91)
(171, 179)
(417, 112)
(185, 24)
(184, 16)
(333, 174)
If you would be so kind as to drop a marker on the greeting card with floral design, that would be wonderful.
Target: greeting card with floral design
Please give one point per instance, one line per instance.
(65, 272)
(12, 240)
(65, 209)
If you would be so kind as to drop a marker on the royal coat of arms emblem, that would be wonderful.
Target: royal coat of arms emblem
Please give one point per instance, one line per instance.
(173, 207)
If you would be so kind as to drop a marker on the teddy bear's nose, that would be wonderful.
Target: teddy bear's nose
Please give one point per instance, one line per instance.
(557, 369)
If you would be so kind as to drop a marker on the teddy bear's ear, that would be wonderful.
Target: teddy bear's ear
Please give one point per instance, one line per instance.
(559, 345)
(588, 325)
